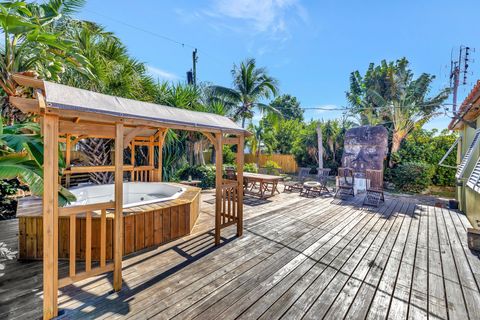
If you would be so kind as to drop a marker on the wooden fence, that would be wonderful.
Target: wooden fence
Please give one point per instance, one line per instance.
(285, 161)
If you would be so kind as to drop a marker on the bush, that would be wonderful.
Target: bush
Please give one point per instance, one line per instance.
(8, 205)
(412, 176)
(429, 146)
(228, 155)
(206, 174)
(250, 167)
(272, 167)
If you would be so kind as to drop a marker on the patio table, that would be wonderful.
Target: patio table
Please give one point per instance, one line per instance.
(267, 184)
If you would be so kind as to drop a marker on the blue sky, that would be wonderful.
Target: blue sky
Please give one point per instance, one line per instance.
(309, 46)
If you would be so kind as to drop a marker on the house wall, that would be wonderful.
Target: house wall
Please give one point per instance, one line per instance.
(469, 200)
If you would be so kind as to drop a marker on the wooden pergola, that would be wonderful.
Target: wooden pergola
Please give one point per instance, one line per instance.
(68, 115)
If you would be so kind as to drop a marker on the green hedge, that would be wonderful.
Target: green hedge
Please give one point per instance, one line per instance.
(412, 176)
(206, 174)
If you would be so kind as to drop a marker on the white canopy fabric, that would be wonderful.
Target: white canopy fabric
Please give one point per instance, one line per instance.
(70, 98)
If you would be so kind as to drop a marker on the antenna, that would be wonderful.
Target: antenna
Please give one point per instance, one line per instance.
(459, 67)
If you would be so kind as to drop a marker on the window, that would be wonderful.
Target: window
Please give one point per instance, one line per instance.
(448, 153)
(474, 179)
(468, 155)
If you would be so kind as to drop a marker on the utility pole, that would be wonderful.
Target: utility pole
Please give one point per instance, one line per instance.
(457, 67)
(194, 69)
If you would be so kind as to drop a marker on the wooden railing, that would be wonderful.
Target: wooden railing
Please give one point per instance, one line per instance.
(138, 174)
(88, 210)
(142, 174)
(229, 208)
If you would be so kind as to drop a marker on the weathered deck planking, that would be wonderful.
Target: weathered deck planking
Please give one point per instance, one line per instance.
(298, 258)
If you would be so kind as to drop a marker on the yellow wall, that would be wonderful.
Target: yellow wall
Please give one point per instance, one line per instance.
(469, 200)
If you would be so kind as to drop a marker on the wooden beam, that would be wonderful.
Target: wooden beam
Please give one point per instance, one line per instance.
(25, 105)
(42, 102)
(50, 216)
(132, 134)
(134, 122)
(89, 169)
(218, 186)
(73, 210)
(75, 141)
(240, 160)
(118, 220)
(28, 81)
(211, 137)
(89, 129)
(231, 140)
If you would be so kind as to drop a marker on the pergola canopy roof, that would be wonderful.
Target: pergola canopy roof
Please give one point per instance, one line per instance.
(70, 99)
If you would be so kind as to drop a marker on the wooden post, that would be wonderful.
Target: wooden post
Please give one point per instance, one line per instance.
(68, 157)
(50, 216)
(118, 221)
(218, 185)
(161, 139)
(151, 158)
(132, 159)
(240, 160)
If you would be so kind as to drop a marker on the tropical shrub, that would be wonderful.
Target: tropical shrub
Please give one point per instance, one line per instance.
(206, 174)
(228, 155)
(412, 176)
(305, 147)
(428, 146)
(250, 167)
(8, 205)
(21, 157)
(5, 254)
(272, 167)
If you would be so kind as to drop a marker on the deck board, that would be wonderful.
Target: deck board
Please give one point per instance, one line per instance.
(299, 258)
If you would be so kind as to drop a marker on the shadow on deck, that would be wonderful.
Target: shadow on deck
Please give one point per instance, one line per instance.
(299, 257)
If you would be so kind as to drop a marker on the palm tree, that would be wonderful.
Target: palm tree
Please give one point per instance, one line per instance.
(115, 73)
(409, 107)
(250, 85)
(260, 139)
(32, 45)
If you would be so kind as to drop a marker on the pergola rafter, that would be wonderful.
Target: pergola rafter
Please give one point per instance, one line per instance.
(68, 114)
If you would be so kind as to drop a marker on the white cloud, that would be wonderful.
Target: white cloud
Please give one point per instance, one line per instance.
(162, 74)
(270, 16)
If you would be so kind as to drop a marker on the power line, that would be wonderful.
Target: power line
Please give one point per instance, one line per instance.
(183, 44)
(157, 35)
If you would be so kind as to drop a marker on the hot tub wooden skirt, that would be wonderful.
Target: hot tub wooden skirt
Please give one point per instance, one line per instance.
(142, 229)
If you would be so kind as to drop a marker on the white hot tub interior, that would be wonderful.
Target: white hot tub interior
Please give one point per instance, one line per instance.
(134, 193)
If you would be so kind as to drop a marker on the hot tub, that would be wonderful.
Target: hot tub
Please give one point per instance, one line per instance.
(153, 213)
(134, 193)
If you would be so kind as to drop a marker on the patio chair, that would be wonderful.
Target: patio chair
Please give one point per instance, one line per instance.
(297, 183)
(320, 186)
(374, 188)
(230, 173)
(346, 182)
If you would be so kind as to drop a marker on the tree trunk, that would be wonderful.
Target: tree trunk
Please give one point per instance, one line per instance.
(397, 139)
(98, 152)
(258, 157)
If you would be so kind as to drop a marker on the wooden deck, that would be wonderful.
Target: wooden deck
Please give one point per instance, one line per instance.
(298, 258)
